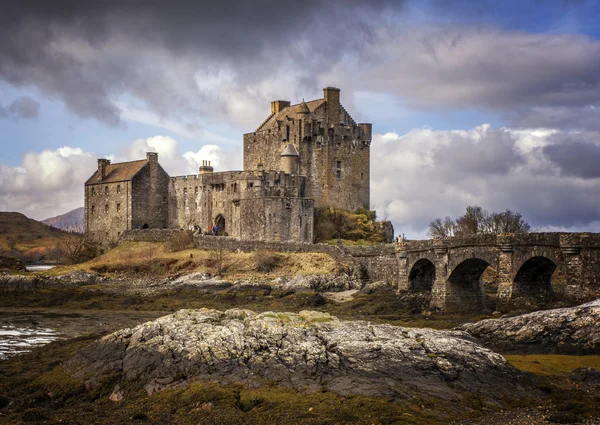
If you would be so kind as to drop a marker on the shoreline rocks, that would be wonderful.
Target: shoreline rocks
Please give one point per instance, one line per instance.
(568, 330)
(308, 350)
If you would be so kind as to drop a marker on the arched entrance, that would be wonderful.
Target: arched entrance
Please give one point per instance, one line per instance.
(220, 222)
(145, 226)
(464, 291)
(421, 276)
(534, 279)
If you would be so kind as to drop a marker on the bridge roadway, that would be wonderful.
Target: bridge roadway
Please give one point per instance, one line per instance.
(452, 268)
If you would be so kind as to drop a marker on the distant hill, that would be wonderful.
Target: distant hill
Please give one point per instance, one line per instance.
(71, 221)
(26, 238)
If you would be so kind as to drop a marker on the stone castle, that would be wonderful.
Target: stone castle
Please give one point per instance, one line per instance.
(302, 156)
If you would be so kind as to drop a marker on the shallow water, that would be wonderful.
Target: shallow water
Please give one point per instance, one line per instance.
(15, 340)
(39, 267)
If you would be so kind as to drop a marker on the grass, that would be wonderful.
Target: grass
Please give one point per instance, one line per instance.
(552, 364)
(154, 259)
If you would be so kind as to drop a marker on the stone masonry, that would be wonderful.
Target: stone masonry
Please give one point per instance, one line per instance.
(301, 156)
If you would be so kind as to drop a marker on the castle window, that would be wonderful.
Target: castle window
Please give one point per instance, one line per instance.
(196, 205)
(287, 132)
(362, 175)
(235, 188)
(338, 171)
(93, 209)
(196, 190)
(118, 188)
(106, 190)
(106, 208)
(118, 207)
(93, 191)
(164, 199)
(185, 190)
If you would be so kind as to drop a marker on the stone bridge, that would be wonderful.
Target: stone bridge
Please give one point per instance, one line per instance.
(452, 268)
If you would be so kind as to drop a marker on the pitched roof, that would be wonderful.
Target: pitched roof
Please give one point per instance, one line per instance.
(119, 172)
(291, 111)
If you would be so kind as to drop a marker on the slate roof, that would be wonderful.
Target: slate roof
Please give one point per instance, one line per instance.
(291, 111)
(121, 171)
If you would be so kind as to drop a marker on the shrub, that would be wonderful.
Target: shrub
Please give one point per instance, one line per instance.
(180, 241)
(266, 262)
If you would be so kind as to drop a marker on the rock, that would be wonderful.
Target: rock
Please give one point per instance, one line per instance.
(308, 350)
(10, 282)
(570, 330)
(250, 286)
(374, 287)
(319, 283)
(200, 281)
(81, 277)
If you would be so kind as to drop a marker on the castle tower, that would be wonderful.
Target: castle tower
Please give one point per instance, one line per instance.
(290, 159)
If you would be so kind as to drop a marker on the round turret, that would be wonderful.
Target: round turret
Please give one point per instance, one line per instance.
(290, 159)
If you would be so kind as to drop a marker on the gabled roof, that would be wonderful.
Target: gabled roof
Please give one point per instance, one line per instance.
(292, 111)
(119, 172)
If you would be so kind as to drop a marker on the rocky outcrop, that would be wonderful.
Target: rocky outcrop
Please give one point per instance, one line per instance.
(572, 330)
(308, 350)
(318, 283)
(81, 277)
(10, 282)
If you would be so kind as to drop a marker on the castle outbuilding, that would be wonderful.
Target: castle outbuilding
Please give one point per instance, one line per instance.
(302, 156)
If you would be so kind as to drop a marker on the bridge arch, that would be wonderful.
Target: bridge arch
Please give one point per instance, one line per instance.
(533, 280)
(464, 291)
(422, 275)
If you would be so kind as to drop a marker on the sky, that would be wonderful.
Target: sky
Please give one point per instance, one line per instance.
(484, 103)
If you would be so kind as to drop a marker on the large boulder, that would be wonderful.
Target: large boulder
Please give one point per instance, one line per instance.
(570, 330)
(308, 350)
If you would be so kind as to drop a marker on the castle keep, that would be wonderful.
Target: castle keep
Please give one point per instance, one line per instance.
(302, 156)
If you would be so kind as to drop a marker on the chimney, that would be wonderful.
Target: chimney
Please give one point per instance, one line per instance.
(332, 96)
(151, 157)
(102, 163)
(279, 105)
(205, 168)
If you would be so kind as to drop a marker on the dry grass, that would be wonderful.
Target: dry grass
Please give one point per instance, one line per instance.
(552, 364)
(155, 258)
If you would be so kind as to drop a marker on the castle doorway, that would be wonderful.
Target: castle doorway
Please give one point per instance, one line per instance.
(145, 226)
(220, 221)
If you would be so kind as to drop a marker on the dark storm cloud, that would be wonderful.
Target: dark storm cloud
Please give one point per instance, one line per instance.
(575, 158)
(89, 51)
(561, 117)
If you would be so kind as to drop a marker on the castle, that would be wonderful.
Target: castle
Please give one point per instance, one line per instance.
(302, 156)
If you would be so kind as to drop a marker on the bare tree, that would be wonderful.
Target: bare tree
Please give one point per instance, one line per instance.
(477, 220)
(441, 228)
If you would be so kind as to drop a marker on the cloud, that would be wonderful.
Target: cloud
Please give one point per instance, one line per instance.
(24, 107)
(426, 174)
(50, 182)
(575, 158)
(179, 59)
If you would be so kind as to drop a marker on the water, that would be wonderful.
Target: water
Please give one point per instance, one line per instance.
(39, 267)
(16, 340)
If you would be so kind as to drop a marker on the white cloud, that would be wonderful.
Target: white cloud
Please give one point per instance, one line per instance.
(426, 174)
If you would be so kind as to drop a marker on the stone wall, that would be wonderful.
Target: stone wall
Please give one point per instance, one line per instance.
(378, 262)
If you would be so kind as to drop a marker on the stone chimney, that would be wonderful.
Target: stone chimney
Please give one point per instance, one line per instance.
(102, 163)
(332, 96)
(151, 157)
(279, 105)
(205, 168)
